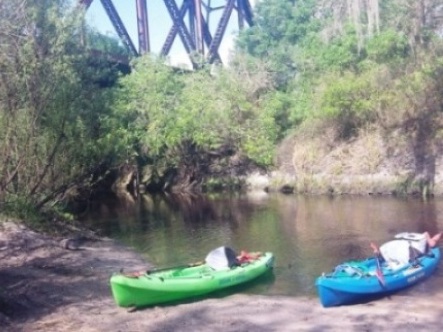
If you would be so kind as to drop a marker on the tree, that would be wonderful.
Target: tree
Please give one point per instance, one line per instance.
(279, 27)
(189, 125)
(56, 130)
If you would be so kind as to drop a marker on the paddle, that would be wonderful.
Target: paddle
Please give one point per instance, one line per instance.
(140, 273)
(378, 270)
(175, 267)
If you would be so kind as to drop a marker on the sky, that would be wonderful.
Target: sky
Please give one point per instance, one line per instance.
(159, 25)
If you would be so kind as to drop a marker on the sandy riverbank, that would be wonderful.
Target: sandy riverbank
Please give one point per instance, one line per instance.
(44, 287)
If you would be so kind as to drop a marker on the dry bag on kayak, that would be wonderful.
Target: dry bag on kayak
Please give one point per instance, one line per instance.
(221, 258)
(403, 249)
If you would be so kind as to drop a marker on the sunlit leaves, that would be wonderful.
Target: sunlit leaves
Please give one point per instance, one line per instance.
(211, 111)
(388, 47)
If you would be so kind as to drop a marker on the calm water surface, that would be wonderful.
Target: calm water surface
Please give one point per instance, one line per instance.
(308, 235)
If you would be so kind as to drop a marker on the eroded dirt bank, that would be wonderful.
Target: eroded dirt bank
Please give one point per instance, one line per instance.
(44, 287)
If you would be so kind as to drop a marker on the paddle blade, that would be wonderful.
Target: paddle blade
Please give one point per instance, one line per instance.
(379, 273)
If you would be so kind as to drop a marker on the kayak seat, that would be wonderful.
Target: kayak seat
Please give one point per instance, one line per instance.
(222, 258)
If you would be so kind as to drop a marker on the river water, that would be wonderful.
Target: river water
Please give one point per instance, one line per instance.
(308, 235)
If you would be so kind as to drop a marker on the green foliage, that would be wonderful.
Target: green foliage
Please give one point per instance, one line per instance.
(62, 127)
(341, 53)
(350, 100)
(54, 121)
(279, 27)
(19, 207)
(388, 47)
(149, 97)
(343, 63)
(107, 44)
(213, 113)
(280, 107)
(278, 22)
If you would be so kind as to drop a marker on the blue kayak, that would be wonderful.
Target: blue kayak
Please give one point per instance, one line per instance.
(360, 281)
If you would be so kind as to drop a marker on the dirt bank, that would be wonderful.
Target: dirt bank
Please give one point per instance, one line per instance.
(44, 287)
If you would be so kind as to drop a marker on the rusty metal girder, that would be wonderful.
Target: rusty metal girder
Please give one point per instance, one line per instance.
(195, 36)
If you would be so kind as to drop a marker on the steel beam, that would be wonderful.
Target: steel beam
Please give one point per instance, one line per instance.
(221, 28)
(143, 27)
(119, 26)
(195, 35)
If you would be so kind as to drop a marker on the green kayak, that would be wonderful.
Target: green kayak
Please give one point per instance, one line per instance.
(165, 285)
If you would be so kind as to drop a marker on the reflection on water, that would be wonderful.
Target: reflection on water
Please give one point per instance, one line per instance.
(308, 235)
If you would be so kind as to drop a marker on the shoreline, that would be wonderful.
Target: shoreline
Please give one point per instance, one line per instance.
(45, 287)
